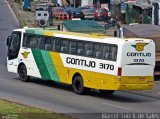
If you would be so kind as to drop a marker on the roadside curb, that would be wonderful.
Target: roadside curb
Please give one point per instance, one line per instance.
(21, 21)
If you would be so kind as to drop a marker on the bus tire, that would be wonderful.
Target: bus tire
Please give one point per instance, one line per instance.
(23, 74)
(107, 92)
(78, 85)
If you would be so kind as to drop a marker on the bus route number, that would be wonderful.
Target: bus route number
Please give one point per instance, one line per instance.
(138, 60)
(106, 66)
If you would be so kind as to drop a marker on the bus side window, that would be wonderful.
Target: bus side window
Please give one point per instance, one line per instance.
(72, 47)
(89, 49)
(48, 43)
(97, 51)
(33, 41)
(106, 52)
(24, 44)
(41, 41)
(64, 46)
(113, 52)
(57, 44)
(26, 40)
(80, 48)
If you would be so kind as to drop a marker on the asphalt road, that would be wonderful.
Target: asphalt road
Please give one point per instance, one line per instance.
(58, 97)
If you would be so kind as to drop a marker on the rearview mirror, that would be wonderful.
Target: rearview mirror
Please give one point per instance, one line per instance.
(8, 40)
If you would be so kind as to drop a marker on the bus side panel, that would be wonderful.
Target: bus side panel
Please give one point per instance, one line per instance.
(12, 65)
(91, 70)
(99, 80)
(91, 79)
(62, 71)
(26, 56)
(45, 65)
(51, 67)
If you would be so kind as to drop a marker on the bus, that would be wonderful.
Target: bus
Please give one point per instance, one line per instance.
(84, 61)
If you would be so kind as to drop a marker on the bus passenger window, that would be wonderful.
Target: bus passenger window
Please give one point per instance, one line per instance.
(57, 45)
(41, 41)
(113, 53)
(48, 43)
(28, 41)
(97, 51)
(89, 49)
(33, 42)
(64, 46)
(106, 52)
(80, 48)
(72, 47)
(25, 42)
(48, 47)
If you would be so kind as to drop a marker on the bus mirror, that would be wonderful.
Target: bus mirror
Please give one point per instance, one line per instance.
(115, 33)
(8, 40)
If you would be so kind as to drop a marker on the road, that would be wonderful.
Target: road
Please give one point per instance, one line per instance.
(58, 97)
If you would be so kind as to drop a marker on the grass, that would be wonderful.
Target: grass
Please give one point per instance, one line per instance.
(29, 21)
(12, 110)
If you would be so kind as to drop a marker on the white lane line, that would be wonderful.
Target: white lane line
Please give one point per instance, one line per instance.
(117, 106)
(12, 11)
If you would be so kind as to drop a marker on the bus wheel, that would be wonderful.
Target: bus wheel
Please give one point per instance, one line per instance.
(107, 92)
(23, 73)
(78, 86)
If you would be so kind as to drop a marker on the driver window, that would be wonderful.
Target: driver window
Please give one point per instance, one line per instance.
(15, 41)
(14, 45)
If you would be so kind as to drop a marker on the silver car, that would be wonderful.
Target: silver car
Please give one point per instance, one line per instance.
(88, 13)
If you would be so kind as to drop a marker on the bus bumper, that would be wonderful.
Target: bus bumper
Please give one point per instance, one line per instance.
(147, 86)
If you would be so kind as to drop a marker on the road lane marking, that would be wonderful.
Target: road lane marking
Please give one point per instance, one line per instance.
(12, 11)
(117, 106)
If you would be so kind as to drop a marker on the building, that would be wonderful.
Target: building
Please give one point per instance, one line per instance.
(96, 3)
(142, 9)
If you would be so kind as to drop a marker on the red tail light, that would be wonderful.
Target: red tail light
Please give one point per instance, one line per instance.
(119, 71)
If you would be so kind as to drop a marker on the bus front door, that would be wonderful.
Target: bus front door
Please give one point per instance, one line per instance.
(13, 50)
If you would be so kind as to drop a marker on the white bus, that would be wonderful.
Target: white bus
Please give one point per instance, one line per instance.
(83, 61)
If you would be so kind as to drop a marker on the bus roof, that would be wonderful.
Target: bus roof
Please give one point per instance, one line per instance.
(72, 35)
(52, 32)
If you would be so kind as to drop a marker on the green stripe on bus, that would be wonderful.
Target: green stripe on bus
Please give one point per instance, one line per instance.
(35, 31)
(45, 65)
(50, 66)
(40, 64)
